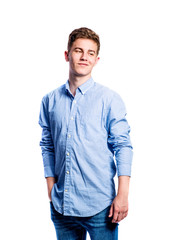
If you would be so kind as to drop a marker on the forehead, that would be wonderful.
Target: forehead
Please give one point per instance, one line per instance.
(86, 44)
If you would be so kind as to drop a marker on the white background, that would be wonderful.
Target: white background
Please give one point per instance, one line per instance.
(134, 62)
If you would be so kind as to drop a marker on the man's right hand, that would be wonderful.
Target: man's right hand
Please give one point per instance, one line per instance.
(50, 182)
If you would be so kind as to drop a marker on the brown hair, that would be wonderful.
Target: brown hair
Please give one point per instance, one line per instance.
(83, 33)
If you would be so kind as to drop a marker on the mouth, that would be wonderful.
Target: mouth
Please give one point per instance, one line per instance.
(83, 64)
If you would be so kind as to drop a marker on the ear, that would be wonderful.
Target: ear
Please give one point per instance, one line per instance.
(97, 59)
(66, 56)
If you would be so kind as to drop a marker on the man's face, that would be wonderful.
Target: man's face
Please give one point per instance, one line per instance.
(82, 57)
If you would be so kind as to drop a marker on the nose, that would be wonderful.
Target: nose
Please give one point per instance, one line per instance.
(84, 56)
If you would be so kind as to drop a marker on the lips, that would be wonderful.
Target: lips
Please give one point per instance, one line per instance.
(82, 64)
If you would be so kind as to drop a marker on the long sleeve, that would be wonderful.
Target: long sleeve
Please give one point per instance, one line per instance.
(118, 136)
(46, 142)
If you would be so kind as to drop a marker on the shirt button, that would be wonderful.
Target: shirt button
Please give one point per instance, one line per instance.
(67, 172)
(67, 153)
(69, 135)
(75, 101)
(66, 190)
(72, 118)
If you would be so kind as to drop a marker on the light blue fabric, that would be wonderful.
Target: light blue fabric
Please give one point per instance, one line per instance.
(81, 137)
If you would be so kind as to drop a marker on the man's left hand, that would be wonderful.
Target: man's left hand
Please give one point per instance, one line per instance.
(119, 209)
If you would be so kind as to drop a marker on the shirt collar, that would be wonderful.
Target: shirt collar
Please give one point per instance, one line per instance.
(84, 87)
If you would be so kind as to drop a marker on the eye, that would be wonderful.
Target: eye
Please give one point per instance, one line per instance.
(91, 53)
(78, 50)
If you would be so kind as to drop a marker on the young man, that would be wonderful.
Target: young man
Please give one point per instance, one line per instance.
(84, 130)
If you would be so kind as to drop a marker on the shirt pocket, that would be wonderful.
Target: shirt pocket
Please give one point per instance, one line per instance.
(90, 118)
(90, 121)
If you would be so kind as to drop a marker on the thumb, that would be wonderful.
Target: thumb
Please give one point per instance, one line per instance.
(111, 211)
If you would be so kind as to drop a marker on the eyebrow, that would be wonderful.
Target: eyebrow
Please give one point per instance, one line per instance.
(90, 50)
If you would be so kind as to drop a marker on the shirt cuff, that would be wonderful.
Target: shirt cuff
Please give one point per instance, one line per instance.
(49, 171)
(124, 161)
(125, 171)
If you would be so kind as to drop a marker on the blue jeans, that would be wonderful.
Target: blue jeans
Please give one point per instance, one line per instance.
(98, 226)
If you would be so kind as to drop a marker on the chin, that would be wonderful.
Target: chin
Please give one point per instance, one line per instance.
(82, 74)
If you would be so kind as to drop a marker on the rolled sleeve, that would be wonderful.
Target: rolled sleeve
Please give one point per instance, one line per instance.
(46, 142)
(118, 136)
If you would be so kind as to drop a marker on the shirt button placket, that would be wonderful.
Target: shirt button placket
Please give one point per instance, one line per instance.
(68, 159)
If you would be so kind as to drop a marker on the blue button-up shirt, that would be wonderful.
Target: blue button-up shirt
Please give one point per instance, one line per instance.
(81, 137)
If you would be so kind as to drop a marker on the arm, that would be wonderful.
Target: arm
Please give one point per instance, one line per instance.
(120, 145)
(119, 207)
(47, 147)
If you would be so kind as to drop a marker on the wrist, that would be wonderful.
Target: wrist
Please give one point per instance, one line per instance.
(123, 195)
(50, 182)
(123, 186)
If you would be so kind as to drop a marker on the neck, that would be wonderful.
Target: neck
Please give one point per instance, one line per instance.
(76, 81)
